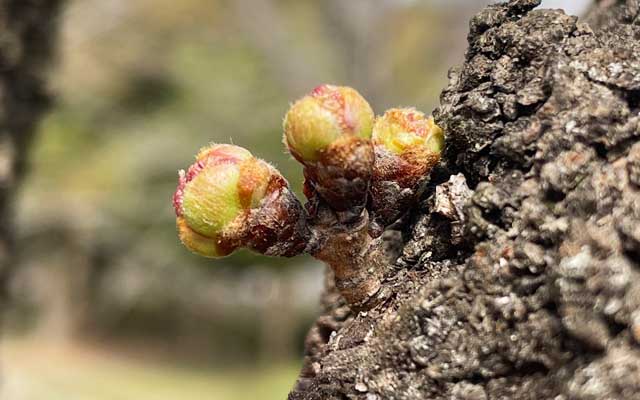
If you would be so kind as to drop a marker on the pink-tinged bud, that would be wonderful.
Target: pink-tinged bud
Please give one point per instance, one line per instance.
(403, 131)
(328, 131)
(228, 199)
(328, 113)
(407, 146)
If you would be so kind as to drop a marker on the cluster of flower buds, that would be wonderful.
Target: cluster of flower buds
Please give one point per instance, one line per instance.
(364, 172)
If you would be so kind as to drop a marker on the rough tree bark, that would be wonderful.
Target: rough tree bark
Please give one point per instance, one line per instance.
(520, 274)
(27, 35)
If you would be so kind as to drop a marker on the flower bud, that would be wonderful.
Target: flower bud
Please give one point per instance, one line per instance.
(229, 199)
(328, 131)
(329, 112)
(407, 145)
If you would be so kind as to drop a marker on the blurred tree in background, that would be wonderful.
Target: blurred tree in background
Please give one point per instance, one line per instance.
(27, 38)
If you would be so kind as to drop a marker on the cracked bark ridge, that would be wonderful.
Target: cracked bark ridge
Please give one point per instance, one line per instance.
(526, 285)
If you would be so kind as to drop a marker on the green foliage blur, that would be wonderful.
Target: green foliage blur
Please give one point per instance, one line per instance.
(141, 85)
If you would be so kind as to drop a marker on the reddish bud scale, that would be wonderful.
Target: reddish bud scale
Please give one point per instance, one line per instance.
(255, 181)
(278, 227)
(183, 179)
(342, 175)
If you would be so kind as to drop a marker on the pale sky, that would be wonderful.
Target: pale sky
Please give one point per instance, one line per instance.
(573, 7)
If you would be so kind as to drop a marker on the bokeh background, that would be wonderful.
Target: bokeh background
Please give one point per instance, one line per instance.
(106, 303)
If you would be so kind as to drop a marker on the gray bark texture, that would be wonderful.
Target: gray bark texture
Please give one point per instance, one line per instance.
(519, 273)
(27, 35)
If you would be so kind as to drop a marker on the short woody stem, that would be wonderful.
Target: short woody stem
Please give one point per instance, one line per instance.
(356, 260)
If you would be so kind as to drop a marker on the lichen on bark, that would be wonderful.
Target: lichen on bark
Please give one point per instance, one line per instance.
(520, 274)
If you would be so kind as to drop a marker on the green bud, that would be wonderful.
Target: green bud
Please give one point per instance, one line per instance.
(317, 120)
(405, 130)
(222, 198)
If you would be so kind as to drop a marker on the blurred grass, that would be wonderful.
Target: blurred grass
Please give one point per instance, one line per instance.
(34, 369)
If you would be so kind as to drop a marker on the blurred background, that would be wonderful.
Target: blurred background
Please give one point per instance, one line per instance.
(105, 302)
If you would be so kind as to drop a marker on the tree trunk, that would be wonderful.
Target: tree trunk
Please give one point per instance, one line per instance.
(27, 36)
(520, 273)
